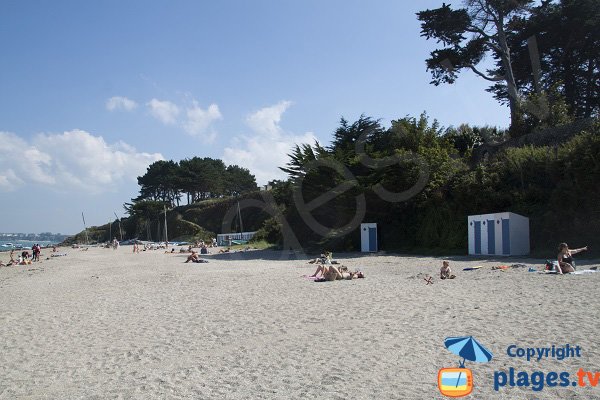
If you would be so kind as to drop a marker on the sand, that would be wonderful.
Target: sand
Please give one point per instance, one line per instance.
(109, 324)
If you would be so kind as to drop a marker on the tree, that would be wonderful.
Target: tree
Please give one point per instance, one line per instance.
(238, 180)
(142, 213)
(159, 183)
(468, 35)
(567, 37)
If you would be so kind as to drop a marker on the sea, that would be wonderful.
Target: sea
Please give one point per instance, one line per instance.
(5, 245)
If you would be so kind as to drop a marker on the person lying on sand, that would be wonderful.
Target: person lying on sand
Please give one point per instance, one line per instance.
(445, 271)
(321, 269)
(227, 250)
(332, 273)
(347, 275)
(329, 273)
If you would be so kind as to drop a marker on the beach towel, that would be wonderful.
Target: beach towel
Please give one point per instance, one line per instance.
(518, 266)
(582, 272)
(472, 268)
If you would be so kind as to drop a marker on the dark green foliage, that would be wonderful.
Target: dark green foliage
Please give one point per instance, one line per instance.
(567, 35)
(468, 35)
(197, 178)
(270, 232)
(555, 186)
(210, 214)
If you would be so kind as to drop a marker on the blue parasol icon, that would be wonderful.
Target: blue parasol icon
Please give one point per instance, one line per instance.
(469, 349)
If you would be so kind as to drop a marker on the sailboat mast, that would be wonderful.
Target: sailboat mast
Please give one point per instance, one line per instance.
(240, 217)
(120, 231)
(87, 242)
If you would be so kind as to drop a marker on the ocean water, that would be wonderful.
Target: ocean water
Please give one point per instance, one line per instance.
(25, 244)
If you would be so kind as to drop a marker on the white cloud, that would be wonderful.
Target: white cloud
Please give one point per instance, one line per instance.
(268, 148)
(164, 111)
(118, 103)
(266, 120)
(72, 160)
(199, 120)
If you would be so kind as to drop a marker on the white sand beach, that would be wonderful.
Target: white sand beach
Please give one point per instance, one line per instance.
(110, 324)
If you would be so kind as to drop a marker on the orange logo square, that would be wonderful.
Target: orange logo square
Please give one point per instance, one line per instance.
(455, 382)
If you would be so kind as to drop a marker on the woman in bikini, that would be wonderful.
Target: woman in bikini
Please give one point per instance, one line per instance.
(565, 258)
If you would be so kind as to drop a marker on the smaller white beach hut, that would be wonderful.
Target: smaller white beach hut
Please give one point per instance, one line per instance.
(500, 234)
(368, 238)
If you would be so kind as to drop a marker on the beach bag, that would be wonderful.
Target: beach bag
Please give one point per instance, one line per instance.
(551, 265)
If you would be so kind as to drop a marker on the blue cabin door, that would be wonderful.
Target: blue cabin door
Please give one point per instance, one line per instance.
(506, 237)
(477, 226)
(491, 230)
(372, 239)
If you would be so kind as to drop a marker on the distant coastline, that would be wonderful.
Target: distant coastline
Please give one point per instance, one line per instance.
(9, 241)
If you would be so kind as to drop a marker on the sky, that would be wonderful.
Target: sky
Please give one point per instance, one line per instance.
(92, 92)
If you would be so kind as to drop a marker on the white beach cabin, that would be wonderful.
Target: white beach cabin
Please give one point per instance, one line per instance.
(501, 234)
(368, 238)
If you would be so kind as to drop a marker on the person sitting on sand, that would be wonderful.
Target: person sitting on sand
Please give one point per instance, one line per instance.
(565, 258)
(192, 257)
(195, 258)
(445, 271)
(324, 258)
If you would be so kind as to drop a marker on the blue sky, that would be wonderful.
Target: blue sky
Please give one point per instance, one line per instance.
(93, 92)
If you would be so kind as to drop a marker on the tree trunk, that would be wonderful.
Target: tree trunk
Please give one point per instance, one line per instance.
(513, 93)
(590, 89)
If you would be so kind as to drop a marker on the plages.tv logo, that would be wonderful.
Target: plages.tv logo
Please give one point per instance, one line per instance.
(458, 382)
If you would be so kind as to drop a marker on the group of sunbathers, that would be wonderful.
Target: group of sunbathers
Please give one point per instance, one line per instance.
(329, 272)
(24, 259)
